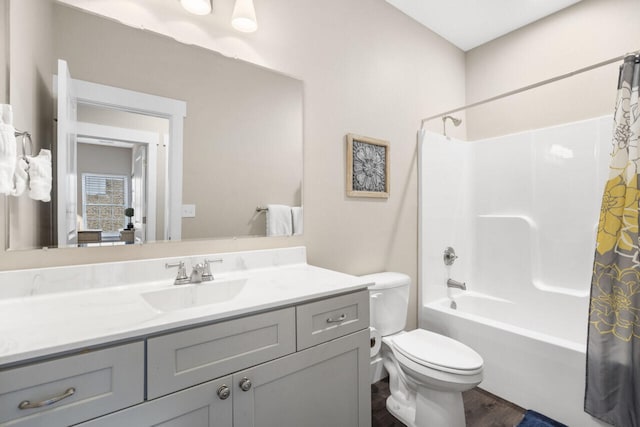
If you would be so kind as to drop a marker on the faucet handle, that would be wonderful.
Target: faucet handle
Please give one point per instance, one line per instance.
(181, 277)
(449, 256)
(206, 274)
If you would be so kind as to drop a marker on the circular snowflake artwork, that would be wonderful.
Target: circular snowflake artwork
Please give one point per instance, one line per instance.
(369, 167)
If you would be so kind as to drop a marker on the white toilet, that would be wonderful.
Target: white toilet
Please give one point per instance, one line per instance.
(427, 371)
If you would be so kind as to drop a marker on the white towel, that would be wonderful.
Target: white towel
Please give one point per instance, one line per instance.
(40, 176)
(279, 220)
(8, 149)
(20, 178)
(296, 218)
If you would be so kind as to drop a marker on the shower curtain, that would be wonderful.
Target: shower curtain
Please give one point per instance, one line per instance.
(613, 348)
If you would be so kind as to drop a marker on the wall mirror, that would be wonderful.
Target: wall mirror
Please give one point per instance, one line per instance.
(241, 133)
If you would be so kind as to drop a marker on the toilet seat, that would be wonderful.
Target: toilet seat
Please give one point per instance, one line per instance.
(438, 352)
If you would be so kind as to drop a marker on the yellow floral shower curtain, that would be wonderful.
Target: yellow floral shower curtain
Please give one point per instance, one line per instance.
(613, 347)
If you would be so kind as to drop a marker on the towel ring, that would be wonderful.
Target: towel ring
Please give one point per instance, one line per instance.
(26, 137)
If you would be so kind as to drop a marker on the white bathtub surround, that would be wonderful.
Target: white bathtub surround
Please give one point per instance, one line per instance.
(54, 310)
(521, 215)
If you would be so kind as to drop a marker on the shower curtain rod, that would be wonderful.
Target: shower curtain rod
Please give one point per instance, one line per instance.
(531, 86)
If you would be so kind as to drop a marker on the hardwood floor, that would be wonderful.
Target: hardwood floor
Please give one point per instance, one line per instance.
(481, 408)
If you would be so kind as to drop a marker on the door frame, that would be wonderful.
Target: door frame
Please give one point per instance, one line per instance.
(173, 110)
(132, 136)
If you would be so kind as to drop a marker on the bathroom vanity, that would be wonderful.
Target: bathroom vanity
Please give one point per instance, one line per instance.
(278, 343)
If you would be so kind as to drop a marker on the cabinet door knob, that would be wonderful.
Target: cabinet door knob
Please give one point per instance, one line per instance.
(245, 384)
(224, 392)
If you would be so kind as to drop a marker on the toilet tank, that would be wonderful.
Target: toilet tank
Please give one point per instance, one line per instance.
(388, 301)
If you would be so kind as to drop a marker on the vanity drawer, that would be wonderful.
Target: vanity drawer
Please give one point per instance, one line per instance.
(86, 385)
(183, 359)
(321, 321)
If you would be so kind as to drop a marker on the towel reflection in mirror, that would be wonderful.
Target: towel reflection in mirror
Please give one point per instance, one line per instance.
(283, 220)
(17, 173)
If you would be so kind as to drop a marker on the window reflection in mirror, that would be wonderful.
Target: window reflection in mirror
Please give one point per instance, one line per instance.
(116, 173)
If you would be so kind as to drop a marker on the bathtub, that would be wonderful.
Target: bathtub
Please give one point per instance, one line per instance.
(534, 353)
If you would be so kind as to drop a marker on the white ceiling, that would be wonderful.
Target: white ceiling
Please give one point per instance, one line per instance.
(470, 23)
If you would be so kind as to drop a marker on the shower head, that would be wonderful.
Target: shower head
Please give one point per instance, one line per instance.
(456, 122)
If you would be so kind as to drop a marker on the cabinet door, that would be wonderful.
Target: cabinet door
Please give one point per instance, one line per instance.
(198, 406)
(327, 385)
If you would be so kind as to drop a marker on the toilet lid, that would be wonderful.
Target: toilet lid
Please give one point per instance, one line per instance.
(437, 351)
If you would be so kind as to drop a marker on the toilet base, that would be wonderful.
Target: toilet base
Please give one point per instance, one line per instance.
(421, 398)
(406, 414)
(438, 408)
(432, 409)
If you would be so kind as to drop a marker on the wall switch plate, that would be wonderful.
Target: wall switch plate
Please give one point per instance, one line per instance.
(188, 211)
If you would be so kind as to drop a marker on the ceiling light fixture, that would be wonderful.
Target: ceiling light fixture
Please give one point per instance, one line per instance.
(197, 7)
(244, 16)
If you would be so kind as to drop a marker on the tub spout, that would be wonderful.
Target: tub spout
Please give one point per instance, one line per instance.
(455, 284)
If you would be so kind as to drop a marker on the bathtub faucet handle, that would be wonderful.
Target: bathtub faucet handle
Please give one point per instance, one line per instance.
(449, 256)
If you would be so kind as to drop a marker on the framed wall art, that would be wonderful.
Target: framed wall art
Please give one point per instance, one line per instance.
(367, 167)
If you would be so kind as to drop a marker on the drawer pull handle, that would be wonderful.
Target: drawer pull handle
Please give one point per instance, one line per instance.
(25, 404)
(245, 384)
(337, 319)
(224, 392)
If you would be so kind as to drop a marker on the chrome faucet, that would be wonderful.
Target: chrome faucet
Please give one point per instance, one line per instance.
(196, 273)
(181, 277)
(201, 272)
(455, 284)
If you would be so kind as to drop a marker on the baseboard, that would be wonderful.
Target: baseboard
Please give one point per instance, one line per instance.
(377, 371)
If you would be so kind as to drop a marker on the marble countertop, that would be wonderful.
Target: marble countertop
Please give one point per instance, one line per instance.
(41, 325)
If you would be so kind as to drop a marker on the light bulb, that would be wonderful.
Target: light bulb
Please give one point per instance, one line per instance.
(244, 16)
(197, 7)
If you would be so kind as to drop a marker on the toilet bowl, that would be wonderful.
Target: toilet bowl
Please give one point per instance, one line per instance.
(427, 371)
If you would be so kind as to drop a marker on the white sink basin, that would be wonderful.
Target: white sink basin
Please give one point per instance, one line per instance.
(180, 297)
